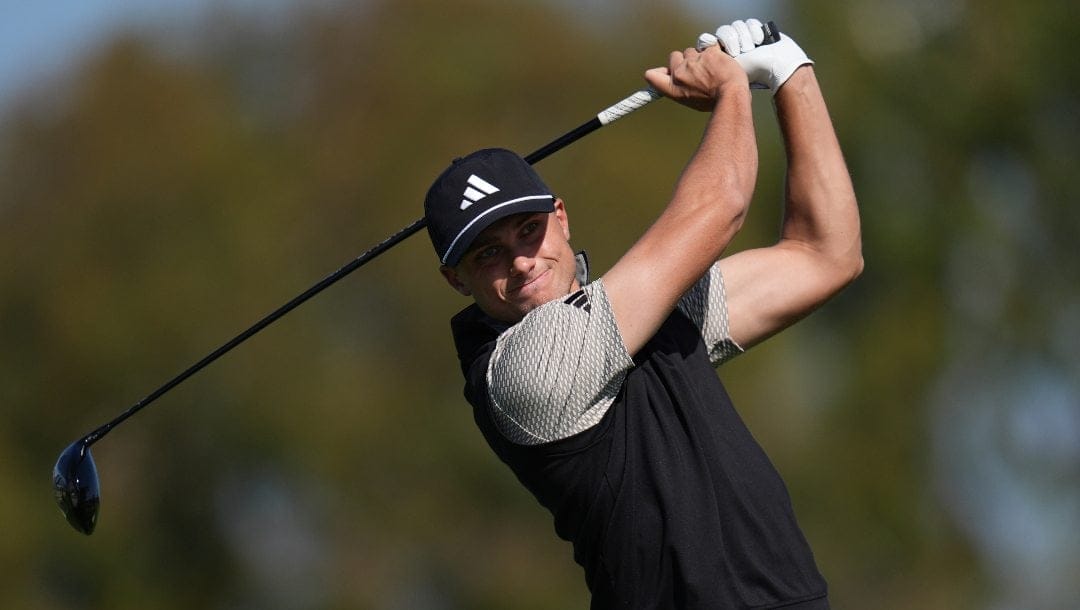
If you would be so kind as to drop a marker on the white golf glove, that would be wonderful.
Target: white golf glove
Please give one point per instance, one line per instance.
(767, 65)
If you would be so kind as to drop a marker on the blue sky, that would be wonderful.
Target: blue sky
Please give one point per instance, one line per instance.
(39, 38)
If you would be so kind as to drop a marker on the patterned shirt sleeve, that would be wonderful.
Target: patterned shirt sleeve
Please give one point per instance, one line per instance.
(706, 305)
(555, 373)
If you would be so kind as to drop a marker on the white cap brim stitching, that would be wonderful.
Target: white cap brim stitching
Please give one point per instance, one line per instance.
(486, 212)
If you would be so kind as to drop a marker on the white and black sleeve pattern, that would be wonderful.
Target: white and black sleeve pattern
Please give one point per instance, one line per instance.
(706, 305)
(556, 372)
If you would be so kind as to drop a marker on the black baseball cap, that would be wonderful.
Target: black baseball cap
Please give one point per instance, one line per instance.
(474, 192)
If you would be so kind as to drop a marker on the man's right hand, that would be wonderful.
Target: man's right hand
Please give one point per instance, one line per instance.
(696, 79)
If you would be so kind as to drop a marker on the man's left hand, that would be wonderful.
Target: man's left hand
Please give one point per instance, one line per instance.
(766, 65)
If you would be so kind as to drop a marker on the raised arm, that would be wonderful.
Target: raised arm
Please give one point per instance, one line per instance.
(820, 250)
(709, 201)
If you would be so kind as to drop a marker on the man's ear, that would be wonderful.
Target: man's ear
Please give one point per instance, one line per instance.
(454, 281)
(564, 220)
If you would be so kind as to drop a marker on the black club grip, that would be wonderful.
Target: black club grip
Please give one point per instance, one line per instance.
(772, 33)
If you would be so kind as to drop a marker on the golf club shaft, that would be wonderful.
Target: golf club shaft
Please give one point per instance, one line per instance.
(631, 103)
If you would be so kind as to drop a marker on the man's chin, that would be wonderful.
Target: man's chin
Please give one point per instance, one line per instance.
(515, 312)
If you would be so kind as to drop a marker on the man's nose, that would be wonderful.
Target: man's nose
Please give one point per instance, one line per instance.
(521, 263)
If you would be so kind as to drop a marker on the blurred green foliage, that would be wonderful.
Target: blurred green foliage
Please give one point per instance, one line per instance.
(180, 184)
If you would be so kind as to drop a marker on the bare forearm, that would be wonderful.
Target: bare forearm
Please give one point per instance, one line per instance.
(706, 211)
(711, 197)
(722, 173)
(820, 211)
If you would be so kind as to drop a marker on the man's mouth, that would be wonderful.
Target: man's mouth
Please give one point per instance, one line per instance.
(528, 286)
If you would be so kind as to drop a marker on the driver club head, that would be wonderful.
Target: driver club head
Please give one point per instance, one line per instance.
(75, 484)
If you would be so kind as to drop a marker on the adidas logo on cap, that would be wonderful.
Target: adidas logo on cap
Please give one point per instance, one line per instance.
(478, 189)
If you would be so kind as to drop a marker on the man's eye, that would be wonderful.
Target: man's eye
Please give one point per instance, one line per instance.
(530, 227)
(487, 253)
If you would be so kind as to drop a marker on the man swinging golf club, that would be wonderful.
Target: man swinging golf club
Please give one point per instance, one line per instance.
(602, 396)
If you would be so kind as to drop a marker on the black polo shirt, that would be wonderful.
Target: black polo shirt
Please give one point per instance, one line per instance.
(668, 500)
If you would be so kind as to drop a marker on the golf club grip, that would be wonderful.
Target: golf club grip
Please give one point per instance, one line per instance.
(632, 103)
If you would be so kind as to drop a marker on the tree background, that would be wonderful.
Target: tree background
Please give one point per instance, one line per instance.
(189, 175)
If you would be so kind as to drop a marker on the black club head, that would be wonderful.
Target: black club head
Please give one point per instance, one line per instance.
(75, 484)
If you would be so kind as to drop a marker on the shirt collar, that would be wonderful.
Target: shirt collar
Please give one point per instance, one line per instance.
(582, 268)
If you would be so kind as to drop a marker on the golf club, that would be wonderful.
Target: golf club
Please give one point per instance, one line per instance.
(74, 476)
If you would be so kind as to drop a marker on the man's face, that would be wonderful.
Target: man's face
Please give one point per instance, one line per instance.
(517, 264)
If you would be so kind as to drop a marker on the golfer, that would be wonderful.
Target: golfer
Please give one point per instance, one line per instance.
(601, 395)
